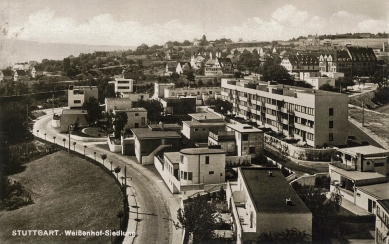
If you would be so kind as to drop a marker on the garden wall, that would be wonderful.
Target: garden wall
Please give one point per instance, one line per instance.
(238, 160)
(309, 180)
(306, 154)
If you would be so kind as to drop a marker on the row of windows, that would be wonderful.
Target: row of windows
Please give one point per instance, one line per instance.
(202, 129)
(186, 175)
(305, 110)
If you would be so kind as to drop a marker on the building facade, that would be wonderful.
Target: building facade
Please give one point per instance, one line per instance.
(361, 174)
(316, 117)
(248, 140)
(78, 95)
(262, 201)
(123, 87)
(137, 117)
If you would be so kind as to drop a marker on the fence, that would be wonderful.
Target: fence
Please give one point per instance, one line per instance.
(306, 154)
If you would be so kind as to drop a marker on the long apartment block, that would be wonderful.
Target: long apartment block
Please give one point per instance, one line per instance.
(318, 118)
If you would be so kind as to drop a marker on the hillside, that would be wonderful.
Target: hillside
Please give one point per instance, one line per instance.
(69, 193)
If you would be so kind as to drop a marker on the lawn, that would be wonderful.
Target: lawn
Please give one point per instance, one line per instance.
(375, 122)
(69, 193)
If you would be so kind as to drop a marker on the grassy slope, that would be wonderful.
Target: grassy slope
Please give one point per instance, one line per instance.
(375, 122)
(69, 193)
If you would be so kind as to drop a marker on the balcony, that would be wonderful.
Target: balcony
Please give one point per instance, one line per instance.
(339, 164)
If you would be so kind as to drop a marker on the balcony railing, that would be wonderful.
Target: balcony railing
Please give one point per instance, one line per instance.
(341, 165)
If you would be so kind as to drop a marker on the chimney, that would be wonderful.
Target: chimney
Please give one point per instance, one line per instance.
(161, 125)
(288, 201)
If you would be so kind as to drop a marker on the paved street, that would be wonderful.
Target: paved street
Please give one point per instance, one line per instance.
(152, 206)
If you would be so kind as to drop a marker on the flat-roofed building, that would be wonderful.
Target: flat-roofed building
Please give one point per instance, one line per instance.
(159, 89)
(198, 128)
(225, 139)
(361, 175)
(76, 118)
(78, 95)
(382, 222)
(123, 87)
(192, 168)
(262, 201)
(314, 116)
(248, 139)
(117, 103)
(136, 117)
(150, 142)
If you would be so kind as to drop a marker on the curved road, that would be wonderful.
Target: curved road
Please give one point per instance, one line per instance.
(153, 222)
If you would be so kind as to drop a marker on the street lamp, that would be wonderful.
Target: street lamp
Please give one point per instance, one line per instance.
(64, 140)
(85, 147)
(74, 146)
(54, 139)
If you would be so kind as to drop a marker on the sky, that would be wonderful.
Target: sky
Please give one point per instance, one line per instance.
(133, 22)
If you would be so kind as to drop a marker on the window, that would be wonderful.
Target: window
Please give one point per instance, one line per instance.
(310, 136)
(211, 172)
(185, 175)
(142, 121)
(190, 176)
(379, 164)
(77, 101)
(182, 174)
(206, 159)
(245, 137)
(331, 112)
(331, 136)
(251, 150)
(204, 129)
(136, 114)
(331, 124)
(196, 129)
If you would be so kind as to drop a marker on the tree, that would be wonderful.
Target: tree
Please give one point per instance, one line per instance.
(154, 109)
(293, 235)
(93, 109)
(190, 76)
(119, 121)
(117, 171)
(13, 122)
(221, 106)
(271, 71)
(103, 157)
(344, 82)
(327, 87)
(198, 218)
(381, 76)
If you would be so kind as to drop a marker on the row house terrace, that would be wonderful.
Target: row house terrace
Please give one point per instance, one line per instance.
(313, 116)
(361, 174)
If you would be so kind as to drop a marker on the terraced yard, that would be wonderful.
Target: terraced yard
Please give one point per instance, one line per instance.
(69, 193)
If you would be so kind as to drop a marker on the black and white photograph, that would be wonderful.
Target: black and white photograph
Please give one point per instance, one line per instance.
(194, 121)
